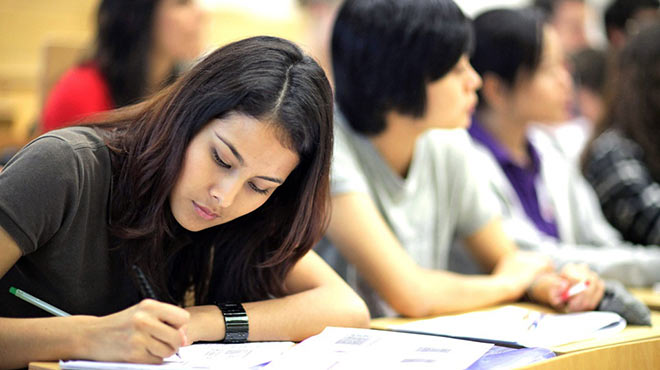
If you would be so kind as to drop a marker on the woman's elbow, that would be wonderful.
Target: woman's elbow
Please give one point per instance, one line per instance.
(357, 313)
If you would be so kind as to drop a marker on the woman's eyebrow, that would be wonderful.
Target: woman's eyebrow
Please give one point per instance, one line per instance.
(272, 179)
(242, 162)
(232, 148)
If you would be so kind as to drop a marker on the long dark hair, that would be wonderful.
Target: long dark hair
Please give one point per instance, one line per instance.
(123, 43)
(248, 258)
(633, 102)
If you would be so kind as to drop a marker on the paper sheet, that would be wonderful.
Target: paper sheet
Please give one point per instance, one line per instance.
(516, 325)
(201, 356)
(346, 348)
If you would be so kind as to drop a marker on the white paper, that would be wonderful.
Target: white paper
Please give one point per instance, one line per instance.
(346, 348)
(521, 326)
(201, 356)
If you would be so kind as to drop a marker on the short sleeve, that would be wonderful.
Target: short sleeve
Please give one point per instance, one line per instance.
(37, 189)
(473, 203)
(346, 176)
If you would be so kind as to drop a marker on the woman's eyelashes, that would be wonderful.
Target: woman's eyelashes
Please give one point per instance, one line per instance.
(257, 189)
(223, 164)
(218, 160)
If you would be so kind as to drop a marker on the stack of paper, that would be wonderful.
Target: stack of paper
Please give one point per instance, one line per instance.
(520, 326)
(201, 356)
(344, 348)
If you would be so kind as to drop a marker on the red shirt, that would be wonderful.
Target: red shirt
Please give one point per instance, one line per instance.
(81, 92)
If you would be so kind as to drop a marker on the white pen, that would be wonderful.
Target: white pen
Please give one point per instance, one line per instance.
(29, 298)
(575, 289)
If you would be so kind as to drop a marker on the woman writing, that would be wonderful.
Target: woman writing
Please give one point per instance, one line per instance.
(216, 188)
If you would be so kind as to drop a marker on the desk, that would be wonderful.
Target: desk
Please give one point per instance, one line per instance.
(648, 296)
(643, 354)
(636, 347)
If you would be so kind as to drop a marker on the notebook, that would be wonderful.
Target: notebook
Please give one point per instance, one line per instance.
(517, 326)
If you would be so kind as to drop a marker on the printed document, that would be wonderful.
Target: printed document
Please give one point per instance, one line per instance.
(346, 348)
(201, 356)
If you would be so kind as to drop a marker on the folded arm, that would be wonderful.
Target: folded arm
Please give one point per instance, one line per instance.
(361, 234)
(317, 298)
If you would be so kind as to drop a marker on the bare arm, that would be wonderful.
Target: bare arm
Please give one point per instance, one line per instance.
(318, 298)
(137, 334)
(365, 240)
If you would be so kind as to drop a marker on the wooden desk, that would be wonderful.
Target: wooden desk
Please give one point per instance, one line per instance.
(637, 355)
(635, 347)
(648, 296)
(44, 366)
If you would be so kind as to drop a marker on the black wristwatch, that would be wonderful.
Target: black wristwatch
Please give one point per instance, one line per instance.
(236, 322)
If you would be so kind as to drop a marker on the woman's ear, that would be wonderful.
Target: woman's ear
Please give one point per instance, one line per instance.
(494, 91)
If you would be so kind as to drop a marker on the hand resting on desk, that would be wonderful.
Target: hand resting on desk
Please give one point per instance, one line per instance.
(548, 289)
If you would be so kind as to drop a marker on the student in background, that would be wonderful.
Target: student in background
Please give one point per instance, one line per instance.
(569, 19)
(624, 18)
(216, 188)
(402, 193)
(139, 44)
(589, 70)
(622, 163)
(590, 75)
(318, 18)
(547, 205)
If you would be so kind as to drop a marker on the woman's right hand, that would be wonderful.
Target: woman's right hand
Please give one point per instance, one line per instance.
(145, 333)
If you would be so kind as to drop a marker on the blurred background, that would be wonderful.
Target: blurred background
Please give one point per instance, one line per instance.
(41, 39)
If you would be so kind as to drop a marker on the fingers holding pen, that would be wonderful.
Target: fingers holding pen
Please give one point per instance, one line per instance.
(593, 287)
(144, 333)
(588, 299)
(165, 323)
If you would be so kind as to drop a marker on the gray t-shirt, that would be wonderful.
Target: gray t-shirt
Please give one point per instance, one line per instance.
(442, 199)
(54, 197)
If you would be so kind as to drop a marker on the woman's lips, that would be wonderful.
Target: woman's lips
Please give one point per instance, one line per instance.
(204, 212)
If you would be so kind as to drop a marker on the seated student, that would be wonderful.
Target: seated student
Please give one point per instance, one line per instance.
(547, 205)
(623, 161)
(624, 18)
(134, 56)
(569, 17)
(216, 189)
(401, 194)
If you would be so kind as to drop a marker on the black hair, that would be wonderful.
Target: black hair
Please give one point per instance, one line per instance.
(619, 12)
(385, 52)
(590, 68)
(123, 43)
(507, 42)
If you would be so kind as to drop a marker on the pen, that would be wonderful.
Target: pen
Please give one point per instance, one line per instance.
(146, 290)
(535, 322)
(143, 283)
(29, 298)
(575, 289)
